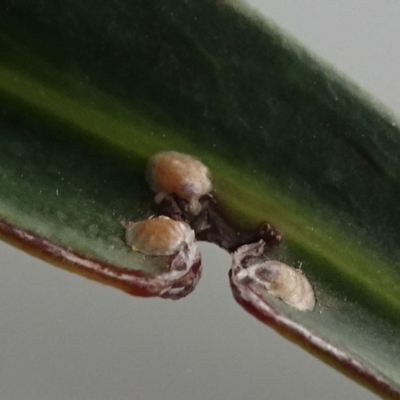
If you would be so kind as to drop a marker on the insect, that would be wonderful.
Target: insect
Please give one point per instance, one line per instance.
(172, 172)
(271, 277)
(183, 185)
(159, 236)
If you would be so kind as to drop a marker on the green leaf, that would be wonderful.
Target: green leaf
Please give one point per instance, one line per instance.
(89, 91)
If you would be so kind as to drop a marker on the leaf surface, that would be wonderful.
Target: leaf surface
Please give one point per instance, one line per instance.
(87, 97)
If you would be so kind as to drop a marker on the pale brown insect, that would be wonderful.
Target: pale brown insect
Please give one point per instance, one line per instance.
(172, 172)
(285, 282)
(160, 236)
(272, 277)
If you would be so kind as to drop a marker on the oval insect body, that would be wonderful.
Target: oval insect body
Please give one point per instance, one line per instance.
(159, 236)
(252, 273)
(285, 282)
(172, 172)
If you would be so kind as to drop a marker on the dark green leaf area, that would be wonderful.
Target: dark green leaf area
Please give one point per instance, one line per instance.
(236, 88)
(232, 85)
(69, 191)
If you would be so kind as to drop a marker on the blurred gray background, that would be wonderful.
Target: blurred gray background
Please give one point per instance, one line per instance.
(64, 337)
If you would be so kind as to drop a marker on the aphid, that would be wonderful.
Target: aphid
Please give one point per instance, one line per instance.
(271, 277)
(160, 236)
(172, 172)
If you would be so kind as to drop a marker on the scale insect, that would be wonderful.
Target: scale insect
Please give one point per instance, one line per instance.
(183, 185)
(271, 277)
(159, 236)
(172, 172)
(285, 282)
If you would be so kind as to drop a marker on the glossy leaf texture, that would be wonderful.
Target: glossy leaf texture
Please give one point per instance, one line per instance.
(90, 90)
